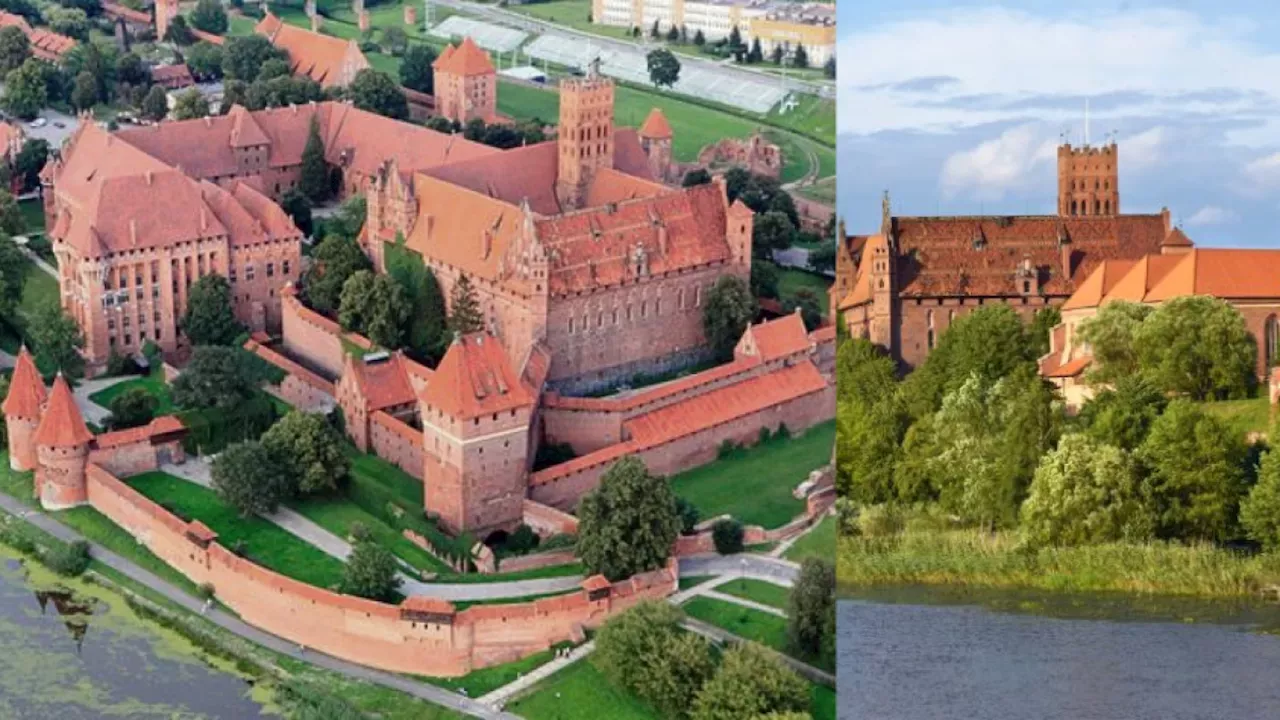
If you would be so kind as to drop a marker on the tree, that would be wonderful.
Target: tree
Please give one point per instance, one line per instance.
(178, 32)
(756, 53)
(1199, 346)
(215, 376)
(750, 681)
(726, 535)
(699, 39)
(800, 58)
(425, 331)
(673, 34)
(375, 306)
(394, 40)
(1111, 334)
(664, 68)
(243, 56)
(829, 68)
(764, 280)
(30, 161)
(155, 106)
(14, 48)
(699, 176)
(13, 276)
(336, 258)
(191, 104)
(628, 524)
(210, 17)
(645, 652)
(1194, 473)
(210, 318)
(726, 313)
(415, 71)
(1122, 415)
(313, 178)
(811, 611)
(371, 572)
(376, 92)
(84, 94)
(308, 448)
(56, 340)
(68, 21)
(655, 32)
(246, 477)
(1260, 510)
(350, 218)
(298, 208)
(772, 231)
(11, 220)
(777, 55)
(130, 70)
(1045, 321)
(204, 60)
(823, 260)
(131, 408)
(806, 301)
(1084, 492)
(735, 38)
(466, 316)
(25, 92)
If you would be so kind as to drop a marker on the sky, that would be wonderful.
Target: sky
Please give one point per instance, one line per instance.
(957, 108)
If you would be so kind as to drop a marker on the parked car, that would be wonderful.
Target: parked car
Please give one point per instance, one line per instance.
(38, 122)
(59, 124)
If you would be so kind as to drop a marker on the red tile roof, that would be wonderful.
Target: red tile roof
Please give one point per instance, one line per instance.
(596, 582)
(172, 76)
(128, 13)
(1052, 366)
(778, 338)
(330, 61)
(26, 389)
(656, 126)
(419, 603)
(467, 59)
(1099, 283)
(474, 378)
(62, 425)
(383, 383)
(44, 43)
(1222, 273)
(159, 426)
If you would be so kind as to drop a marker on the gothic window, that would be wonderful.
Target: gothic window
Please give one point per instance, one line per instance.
(929, 322)
(1106, 205)
(1097, 207)
(1272, 334)
(1073, 207)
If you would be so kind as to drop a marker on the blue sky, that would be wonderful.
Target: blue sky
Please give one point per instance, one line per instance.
(957, 107)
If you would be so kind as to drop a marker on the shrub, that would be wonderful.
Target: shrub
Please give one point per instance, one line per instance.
(727, 535)
(879, 520)
(728, 449)
(205, 591)
(70, 560)
(689, 516)
(521, 542)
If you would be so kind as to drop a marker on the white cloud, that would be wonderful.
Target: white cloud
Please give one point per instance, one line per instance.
(994, 167)
(1212, 215)
(1262, 174)
(1145, 149)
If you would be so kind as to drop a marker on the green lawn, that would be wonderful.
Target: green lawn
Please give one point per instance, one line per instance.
(339, 514)
(263, 541)
(820, 542)
(754, 485)
(768, 630)
(1252, 415)
(765, 593)
(823, 703)
(580, 692)
(153, 383)
(824, 191)
(485, 680)
(19, 485)
(32, 215)
(694, 580)
(39, 288)
(791, 279)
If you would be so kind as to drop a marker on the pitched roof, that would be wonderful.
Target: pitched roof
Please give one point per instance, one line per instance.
(328, 60)
(26, 389)
(466, 60)
(62, 424)
(474, 378)
(778, 338)
(162, 425)
(44, 42)
(1222, 273)
(384, 383)
(862, 291)
(172, 76)
(656, 126)
(1141, 277)
(1100, 282)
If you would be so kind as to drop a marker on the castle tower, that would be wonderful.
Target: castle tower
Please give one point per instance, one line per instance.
(354, 403)
(466, 84)
(1088, 180)
(62, 451)
(585, 135)
(476, 413)
(166, 11)
(740, 224)
(655, 140)
(22, 409)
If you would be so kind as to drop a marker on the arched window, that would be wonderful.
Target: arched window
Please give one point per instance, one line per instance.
(929, 320)
(1272, 345)
(1073, 207)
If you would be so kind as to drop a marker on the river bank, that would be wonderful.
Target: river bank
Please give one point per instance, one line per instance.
(1001, 560)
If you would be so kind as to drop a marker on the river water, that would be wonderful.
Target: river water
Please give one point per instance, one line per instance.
(917, 654)
(84, 655)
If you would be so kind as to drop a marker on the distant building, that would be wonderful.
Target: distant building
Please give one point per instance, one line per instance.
(45, 44)
(466, 84)
(172, 77)
(330, 61)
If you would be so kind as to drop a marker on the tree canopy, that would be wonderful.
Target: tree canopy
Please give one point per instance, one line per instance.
(246, 476)
(308, 448)
(664, 67)
(336, 258)
(726, 312)
(628, 524)
(375, 91)
(216, 376)
(210, 318)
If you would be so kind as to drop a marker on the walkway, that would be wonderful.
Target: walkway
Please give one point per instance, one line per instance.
(715, 634)
(774, 570)
(92, 411)
(197, 471)
(429, 693)
(734, 599)
(497, 699)
(785, 545)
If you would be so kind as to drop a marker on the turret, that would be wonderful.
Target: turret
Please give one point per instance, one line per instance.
(22, 409)
(585, 135)
(62, 451)
(655, 140)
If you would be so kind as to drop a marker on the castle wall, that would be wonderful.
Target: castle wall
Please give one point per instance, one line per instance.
(397, 443)
(914, 318)
(312, 337)
(547, 521)
(363, 631)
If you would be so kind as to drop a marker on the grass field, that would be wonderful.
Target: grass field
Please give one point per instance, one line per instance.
(754, 485)
(694, 580)
(485, 680)
(579, 692)
(574, 14)
(339, 515)
(823, 191)
(790, 280)
(1252, 415)
(32, 216)
(768, 630)
(820, 542)
(263, 541)
(765, 593)
(154, 384)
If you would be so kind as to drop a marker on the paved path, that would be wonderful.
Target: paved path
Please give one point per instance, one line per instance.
(796, 257)
(430, 693)
(497, 699)
(805, 670)
(92, 411)
(725, 597)
(774, 570)
(785, 545)
(197, 470)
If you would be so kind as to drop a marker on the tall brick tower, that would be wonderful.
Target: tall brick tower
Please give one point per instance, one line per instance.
(476, 413)
(1088, 180)
(585, 135)
(655, 140)
(22, 409)
(166, 11)
(466, 84)
(62, 451)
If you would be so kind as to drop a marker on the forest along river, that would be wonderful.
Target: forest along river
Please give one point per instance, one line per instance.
(72, 651)
(923, 653)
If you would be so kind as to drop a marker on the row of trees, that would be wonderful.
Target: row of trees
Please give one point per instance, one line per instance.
(975, 431)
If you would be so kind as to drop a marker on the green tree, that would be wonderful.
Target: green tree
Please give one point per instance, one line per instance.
(313, 178)
(811, 611)
(823, 260)
(298, 208)
(30, 161)
(664, 68)
(243, 55)
(806, 301)
(466, 316)
(215, 376)
(271, 69)
(425, 332)
(155, 106)
(750, 681)
(210, 318)
(1084, 492)
(1045, 321)
(800, 58)
(375, 306)
(13, 275)
(645, 652)
(130, 70)
(1111, 334)
(772, 231)
(25, 92)
(628, 524)
(56, 340)
(1122, 415)
(336, 258)
(756, 54)
(14, 48)
(726, 313)
(1194, 473)
(727, 535)
(84, 94)
(1260, 510)
(11, 220)
(695, 177)
(371, 572)
(1198, 346)
(829, 68)
(376, 92)
(395, 40)
(178, 32)
(131, 408)
(764, 279)
(210, 17)
(689, 515)
(191, 104)
(247, 478)
(204, 60)
(309, 449)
